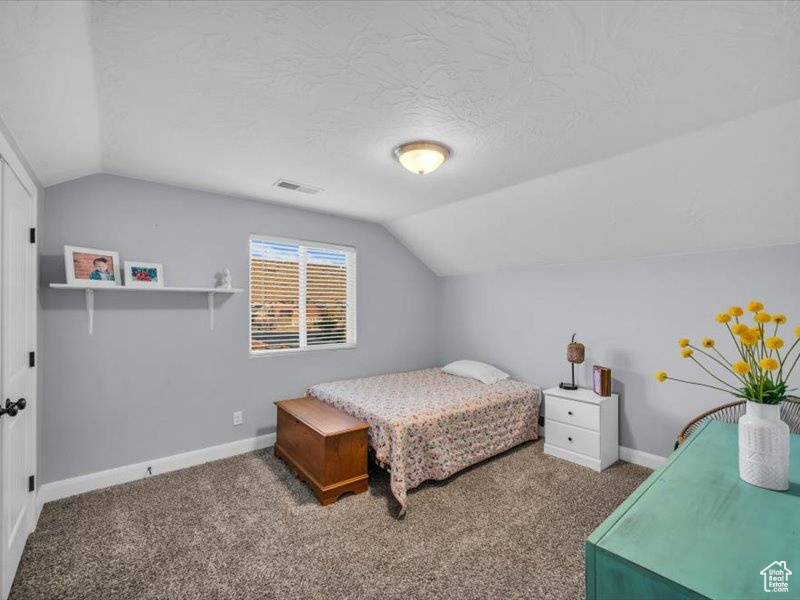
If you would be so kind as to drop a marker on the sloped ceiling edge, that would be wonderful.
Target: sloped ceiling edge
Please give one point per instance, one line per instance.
(736, 185)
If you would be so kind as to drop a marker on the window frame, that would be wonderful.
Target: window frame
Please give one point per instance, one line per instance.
(349, 251)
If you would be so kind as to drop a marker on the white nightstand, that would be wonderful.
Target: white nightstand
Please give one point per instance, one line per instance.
(582, 427)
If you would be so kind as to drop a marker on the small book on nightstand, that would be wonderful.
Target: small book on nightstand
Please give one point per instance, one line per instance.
(602, 380)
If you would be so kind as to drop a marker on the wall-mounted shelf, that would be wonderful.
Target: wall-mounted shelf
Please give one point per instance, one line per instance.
(89, 291)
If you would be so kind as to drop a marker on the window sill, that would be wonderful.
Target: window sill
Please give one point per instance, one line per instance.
(265, 353)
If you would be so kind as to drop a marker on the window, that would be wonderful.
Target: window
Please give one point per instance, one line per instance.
(302, 296)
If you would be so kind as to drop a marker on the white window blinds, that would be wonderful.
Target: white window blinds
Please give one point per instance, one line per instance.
(302, 295)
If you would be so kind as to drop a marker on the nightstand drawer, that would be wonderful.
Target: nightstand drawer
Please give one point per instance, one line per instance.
(572, 412)
(573, 439)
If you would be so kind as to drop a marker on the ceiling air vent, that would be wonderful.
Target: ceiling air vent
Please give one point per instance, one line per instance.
(296, 187)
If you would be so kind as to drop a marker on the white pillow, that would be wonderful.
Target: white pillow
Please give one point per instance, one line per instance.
(473, 369)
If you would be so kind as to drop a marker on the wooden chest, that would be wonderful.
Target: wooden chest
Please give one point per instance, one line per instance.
(324, 446)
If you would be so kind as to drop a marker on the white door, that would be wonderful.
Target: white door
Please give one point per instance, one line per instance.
(17, 379)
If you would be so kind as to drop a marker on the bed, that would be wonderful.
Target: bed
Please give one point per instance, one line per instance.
(427, 424)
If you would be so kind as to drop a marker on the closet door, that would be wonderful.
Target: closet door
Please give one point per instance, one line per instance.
(17, 376)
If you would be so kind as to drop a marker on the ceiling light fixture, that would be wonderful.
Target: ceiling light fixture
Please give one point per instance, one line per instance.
(422, 157)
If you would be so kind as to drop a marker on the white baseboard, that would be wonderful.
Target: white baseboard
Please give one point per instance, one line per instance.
(637, 457)
(38, 504)
(102, 479)
(643, 459)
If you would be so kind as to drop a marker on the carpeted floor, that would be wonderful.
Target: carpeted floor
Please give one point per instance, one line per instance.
(511, 527)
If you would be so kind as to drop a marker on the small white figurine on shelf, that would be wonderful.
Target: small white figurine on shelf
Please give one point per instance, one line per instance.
(224, 279)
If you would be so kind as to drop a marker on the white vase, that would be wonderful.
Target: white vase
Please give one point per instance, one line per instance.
(764, 447)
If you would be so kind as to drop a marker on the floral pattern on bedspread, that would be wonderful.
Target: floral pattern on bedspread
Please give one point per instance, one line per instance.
(429, 425)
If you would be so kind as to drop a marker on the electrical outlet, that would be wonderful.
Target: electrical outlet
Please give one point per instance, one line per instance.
(237, 417)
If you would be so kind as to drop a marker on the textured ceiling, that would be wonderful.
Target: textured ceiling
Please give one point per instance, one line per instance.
(48, 97)
(727, 187)
(230, 96)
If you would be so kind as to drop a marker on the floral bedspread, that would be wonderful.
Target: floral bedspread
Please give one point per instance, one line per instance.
(429, 425)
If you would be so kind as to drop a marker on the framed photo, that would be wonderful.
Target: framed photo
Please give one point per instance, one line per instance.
(92, 267)
(142, 274)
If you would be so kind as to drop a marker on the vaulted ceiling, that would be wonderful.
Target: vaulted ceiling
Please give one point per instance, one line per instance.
(230, 96)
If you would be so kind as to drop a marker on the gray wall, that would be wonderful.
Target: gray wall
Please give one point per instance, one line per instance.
(629, 314)
(154, 380)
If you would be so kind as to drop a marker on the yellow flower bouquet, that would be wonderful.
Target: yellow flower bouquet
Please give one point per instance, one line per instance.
(759, 373)
(760, 369)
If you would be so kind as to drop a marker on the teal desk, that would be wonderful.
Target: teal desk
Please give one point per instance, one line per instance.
(693, 529)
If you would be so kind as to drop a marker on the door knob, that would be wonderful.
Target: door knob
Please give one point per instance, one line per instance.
(12, 408)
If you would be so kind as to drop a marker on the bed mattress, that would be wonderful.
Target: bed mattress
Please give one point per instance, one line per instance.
(428, 425)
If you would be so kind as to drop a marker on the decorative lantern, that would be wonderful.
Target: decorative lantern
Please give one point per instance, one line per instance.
(576, 354)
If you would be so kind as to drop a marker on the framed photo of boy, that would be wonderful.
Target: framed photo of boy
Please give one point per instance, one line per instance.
(92, 267)
(142, 274)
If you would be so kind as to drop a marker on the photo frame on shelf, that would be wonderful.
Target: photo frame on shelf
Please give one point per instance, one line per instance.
(92, 267)
(144, 274)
